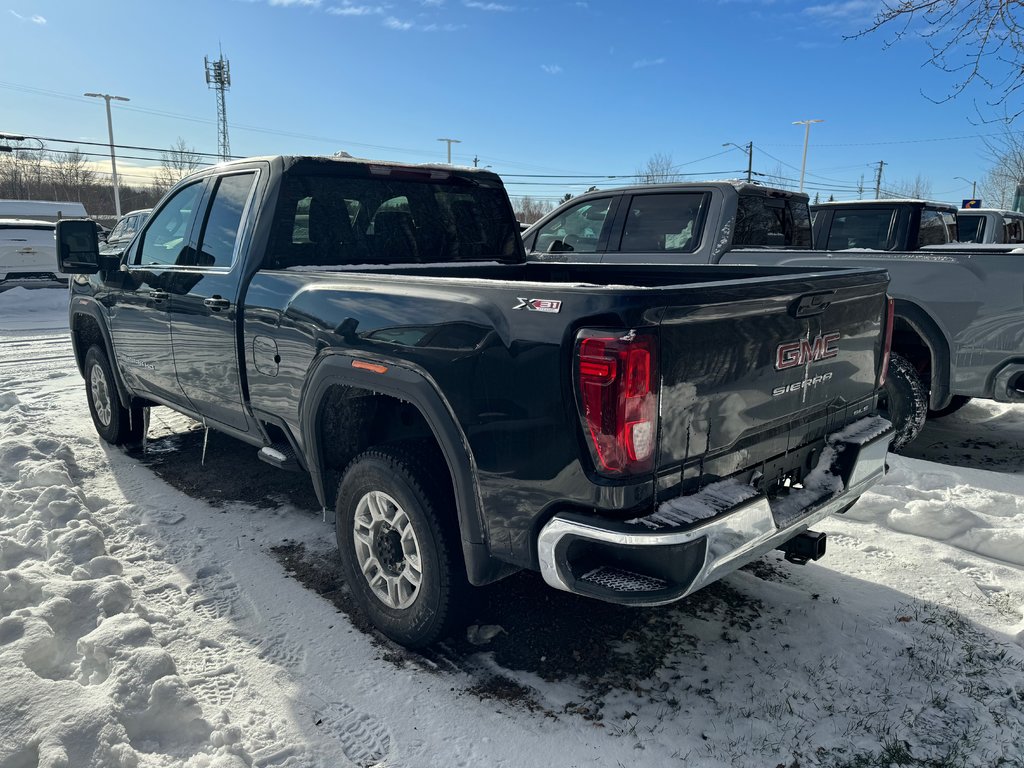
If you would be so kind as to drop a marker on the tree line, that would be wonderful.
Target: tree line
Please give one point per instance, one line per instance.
(68, 176)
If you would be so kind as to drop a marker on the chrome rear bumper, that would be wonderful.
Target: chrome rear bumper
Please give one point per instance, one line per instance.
(633, 564)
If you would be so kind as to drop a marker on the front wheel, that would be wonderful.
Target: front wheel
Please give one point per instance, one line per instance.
(399, 545)
(903, 401)
(114, 423)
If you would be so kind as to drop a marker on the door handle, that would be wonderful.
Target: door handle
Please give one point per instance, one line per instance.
(159, 295)
(217, 303)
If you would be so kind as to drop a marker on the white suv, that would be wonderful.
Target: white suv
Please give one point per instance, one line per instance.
(28, 253)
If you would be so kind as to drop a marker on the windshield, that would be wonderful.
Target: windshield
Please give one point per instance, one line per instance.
(325, 219)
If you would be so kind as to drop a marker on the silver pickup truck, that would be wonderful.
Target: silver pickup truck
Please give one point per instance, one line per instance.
(959, 321)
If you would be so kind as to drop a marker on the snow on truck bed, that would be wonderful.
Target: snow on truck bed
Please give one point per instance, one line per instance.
(140, 626)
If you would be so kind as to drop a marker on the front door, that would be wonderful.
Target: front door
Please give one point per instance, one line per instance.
(139, 320)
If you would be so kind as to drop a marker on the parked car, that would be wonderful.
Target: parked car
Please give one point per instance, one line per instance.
(28, 254)
(123, 232)
(633, 433)
(990, 225)
(958, 326)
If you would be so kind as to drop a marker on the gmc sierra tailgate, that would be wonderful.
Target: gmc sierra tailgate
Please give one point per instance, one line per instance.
(752, 376)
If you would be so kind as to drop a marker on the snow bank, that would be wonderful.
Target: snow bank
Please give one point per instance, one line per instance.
(23, 309)
(919, 500)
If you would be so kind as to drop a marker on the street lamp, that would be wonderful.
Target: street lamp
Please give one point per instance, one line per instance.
(807, 137)
(110, 132)
(974, 186)
(749, 149)
(450, 142)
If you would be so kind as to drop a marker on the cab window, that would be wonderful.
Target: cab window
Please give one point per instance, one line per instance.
(165, 241)
(861, 228)
(220, 230)
(577, 230)
(663, 223)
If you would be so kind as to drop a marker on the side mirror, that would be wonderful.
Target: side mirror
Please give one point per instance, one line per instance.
(78, 249)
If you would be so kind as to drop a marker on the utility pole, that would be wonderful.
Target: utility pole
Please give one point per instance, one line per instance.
(807, 138)
(860, 188)
(110, 134)
(878, 180)
(450, 142)
(749, 149)
(476, 161)
(218, 78)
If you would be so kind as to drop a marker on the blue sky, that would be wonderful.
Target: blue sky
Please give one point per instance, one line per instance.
(578, 88)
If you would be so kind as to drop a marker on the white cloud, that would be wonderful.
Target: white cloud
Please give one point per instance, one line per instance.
(844, 9)
(443, 27)
(432, 3)
(644, 63)
(288, 3)
(37, 19)
(392, 23)
(487, 6)
(350, 9)
(551, 69)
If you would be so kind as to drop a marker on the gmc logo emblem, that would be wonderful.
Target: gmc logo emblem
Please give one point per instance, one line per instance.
(793, 354)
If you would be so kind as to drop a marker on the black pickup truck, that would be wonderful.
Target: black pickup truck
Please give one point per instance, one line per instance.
(631, 432)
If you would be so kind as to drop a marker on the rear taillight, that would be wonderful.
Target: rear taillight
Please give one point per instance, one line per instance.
(617, 392)
(890, 313)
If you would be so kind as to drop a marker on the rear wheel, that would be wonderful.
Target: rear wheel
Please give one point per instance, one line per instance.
(114, 423)
(903, 401)
(955, 404)
(399, 545)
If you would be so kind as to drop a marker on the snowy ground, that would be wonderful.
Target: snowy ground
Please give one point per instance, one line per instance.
(144, 626)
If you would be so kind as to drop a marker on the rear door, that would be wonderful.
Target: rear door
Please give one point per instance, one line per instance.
(760, 370)
(204, 303)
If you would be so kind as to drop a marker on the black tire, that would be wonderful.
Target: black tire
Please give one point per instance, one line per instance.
(114, 423)
(412, 617)
(955, 404)
(903, 401)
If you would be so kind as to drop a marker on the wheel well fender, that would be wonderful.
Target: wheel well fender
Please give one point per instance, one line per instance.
(88, 327)
(418, 389)
(916, 329)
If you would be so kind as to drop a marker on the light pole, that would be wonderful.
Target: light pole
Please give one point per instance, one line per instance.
(110, 132)
(450, 142)
(974, 186)
(749, 149)
(807, 138)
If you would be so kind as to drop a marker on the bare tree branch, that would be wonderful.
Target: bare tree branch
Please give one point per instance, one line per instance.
(976, 41)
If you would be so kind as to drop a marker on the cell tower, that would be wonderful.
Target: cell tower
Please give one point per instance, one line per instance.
(218, 77)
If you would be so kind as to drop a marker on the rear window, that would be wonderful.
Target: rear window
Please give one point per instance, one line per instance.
(862, 228)
(937, 228)
(327, 219)
(772, 222)
(1013, 231)
(972, 229)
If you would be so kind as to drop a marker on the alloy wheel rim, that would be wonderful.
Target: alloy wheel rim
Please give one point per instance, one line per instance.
(387, 550)
(100, 395)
